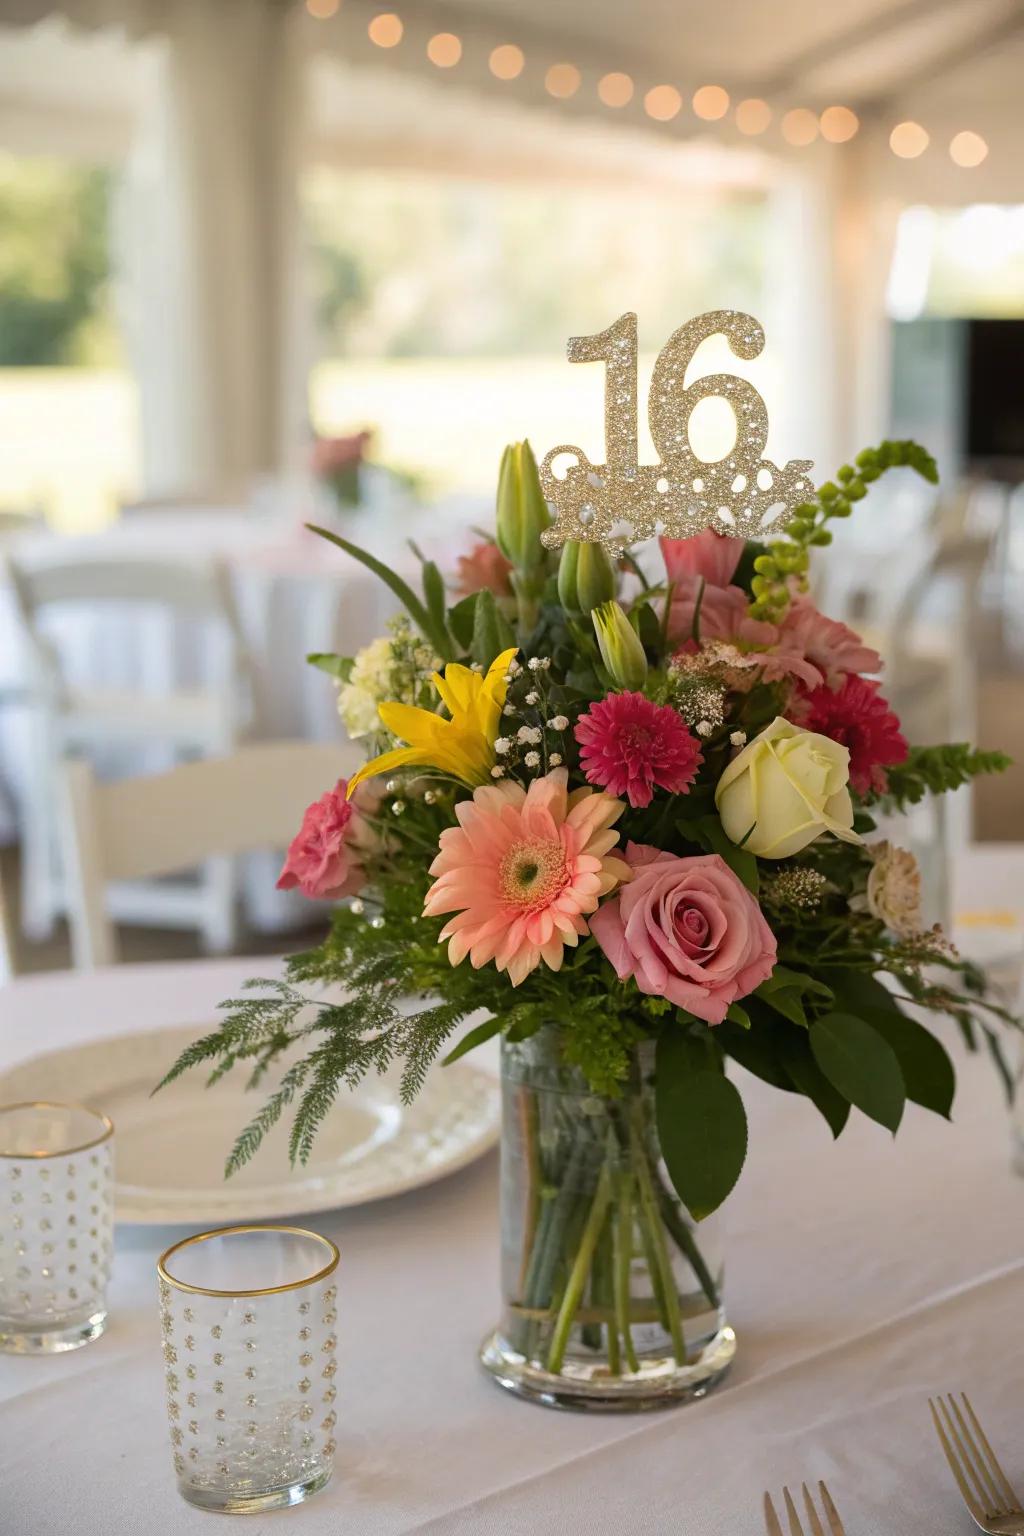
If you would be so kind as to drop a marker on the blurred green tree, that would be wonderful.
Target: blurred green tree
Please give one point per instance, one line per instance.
(54, 262)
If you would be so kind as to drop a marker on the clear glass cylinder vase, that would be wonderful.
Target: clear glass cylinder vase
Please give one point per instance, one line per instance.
(612, 1297)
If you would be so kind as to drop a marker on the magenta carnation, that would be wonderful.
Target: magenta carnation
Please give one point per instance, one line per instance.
(629, 746)
(857, 716)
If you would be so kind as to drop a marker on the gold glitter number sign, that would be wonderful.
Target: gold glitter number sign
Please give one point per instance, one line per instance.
(743, 494)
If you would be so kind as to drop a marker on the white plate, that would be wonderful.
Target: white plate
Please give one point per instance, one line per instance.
(171, 1149)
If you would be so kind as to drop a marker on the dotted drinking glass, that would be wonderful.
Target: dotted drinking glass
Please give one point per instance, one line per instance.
(56, 1226)
(248, 1317)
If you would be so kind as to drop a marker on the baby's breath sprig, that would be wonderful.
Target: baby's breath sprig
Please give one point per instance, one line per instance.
(787, 559)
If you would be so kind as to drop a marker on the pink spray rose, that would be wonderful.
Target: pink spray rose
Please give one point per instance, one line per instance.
(325, 859)
(687, 930)
(832, 647)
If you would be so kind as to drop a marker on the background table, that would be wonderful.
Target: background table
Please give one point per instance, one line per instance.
(862, 1277)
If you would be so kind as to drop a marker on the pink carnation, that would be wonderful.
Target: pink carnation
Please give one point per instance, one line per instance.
(325, 857)
(859, 718)
(483, 569)
(687, 930)
(832, 647)
(630, 745)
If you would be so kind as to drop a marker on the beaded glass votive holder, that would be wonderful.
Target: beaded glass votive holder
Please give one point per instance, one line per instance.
(56, 1226)
(248, 1317)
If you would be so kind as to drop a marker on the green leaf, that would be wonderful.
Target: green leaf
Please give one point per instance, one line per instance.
(786, 989)
(702, 1128)
(402, 590)
(927, 1070)
(648, 627)
(335, 666)
(460, 619)
(738, 1015)
(756, 1051)
(809, 1079)
(861, 1065)
(476, 1036)
(712, 834)
(433, 591)
(492, 632)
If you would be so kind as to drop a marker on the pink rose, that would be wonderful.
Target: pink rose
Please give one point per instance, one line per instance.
(324, 859)
(706, 554)
(484, 568)
(334, 453)
(832, 647)
(687, 930)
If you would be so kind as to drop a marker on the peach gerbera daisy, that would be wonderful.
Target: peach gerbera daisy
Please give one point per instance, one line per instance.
(522, 869)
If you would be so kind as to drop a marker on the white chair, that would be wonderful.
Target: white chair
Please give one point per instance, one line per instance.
(136, 829)
(67, 719)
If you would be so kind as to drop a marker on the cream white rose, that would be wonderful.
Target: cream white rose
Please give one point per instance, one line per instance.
(894, 889)
(785, 789)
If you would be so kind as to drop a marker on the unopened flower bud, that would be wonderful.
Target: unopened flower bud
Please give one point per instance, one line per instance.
(620, 647)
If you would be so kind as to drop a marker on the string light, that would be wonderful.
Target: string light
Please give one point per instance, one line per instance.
(908, 140)
(506, 61)
(322, 9)
(663, 102)
(967, 149)
(386, 30)
(839, 124)
(562, 80)
(800, 127)
(444, 49)
(753, 115)
(711, 102)
(615, 90)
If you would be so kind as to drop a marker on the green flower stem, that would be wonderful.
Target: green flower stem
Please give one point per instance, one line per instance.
(662, 1268)
(686, 1243)
(580, 1269)
(526, 1102)
(601, 1286)
(623, 1259)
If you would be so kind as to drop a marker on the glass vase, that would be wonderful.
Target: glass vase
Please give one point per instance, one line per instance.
(612, 1297)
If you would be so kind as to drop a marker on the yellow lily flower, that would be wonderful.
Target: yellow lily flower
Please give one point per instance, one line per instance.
(462, 746)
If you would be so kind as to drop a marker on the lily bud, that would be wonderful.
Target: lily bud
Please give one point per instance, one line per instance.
(522, 513)
(620, 647)
(585, 577)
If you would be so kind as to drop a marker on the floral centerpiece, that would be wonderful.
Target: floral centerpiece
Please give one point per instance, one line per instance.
(620, 810)
(338, 463)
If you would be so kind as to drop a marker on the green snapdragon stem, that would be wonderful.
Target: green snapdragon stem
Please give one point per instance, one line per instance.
(654, 1233)
(684, 1241)
(623, 1255)
(580, 1269)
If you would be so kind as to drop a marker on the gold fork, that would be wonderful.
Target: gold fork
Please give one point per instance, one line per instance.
(771, 1519)
(984, 1485)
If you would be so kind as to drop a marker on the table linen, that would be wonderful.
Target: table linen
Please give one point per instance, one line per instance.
(862, 1277)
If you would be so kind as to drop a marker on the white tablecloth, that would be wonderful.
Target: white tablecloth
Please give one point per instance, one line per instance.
(862, 1277)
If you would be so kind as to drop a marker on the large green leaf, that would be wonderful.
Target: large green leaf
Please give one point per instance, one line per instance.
(861, 1065)
(808, 1078)
(702, 1127)
(433, 591)
(755, 1049)
(928, 1073)
(402, 590)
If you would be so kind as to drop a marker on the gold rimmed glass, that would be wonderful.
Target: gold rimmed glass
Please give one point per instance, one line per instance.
(248, 1316)
(56, 1226)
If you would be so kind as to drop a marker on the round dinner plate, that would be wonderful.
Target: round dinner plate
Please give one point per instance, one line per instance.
(171, 1148)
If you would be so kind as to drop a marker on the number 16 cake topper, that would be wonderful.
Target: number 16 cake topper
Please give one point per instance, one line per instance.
(743, 494)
